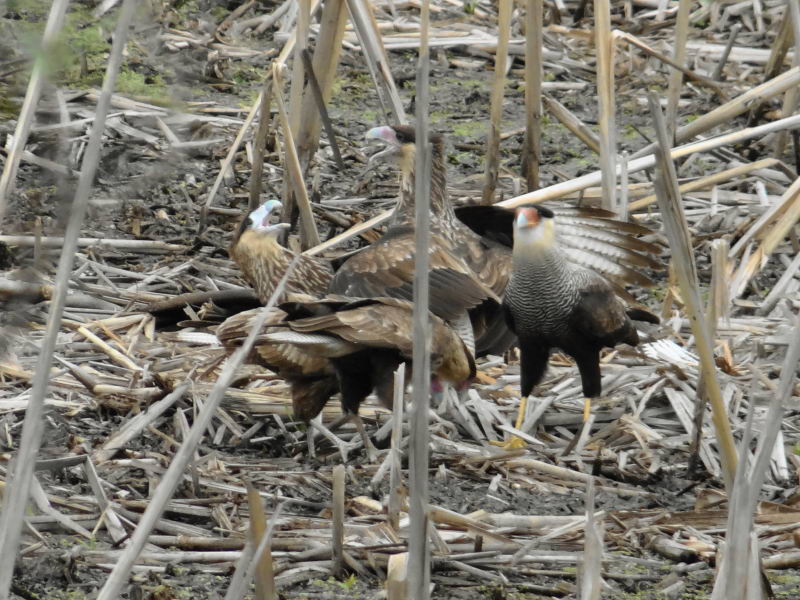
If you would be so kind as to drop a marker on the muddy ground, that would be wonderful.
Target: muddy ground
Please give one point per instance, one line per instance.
(145, 193)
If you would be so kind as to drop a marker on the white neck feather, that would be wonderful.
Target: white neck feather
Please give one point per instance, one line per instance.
(534, 242)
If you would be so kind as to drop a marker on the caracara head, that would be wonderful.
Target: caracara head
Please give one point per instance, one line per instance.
(534, 229)
(262, 220)
(455, 365)
(400, 141)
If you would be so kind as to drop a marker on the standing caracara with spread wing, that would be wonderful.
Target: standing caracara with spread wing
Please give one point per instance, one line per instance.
(587, 240)
(552, 303)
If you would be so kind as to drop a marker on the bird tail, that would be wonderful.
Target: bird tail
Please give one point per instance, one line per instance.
(495, 336)
(640, 314)
(316, 344)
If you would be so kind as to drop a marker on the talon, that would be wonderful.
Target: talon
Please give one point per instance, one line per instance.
(516, 442)
(369, 448)
(484, 378)
(340, 444)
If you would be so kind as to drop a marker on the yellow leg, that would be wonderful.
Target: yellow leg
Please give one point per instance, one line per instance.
(515, 442)
(523, 408)
(587, 409)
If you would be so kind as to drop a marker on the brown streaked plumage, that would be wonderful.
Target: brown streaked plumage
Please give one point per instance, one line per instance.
(263, 261)
(372, 326)
(486, 260)
(386, 268)
(400, 141)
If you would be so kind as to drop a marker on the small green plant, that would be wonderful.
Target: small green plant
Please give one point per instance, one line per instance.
(369, 116)
(629, 132)
(136, 84)
(348, 583)
(219, 13)
(468, 128)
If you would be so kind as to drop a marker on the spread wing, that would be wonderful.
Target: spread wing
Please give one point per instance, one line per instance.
(488, 259)
(589, 237)
(492, 222)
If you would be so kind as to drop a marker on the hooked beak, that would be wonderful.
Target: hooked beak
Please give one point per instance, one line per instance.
(383, 133)
(526, 217)
(386, 135)
(279, 227)
(260, 219)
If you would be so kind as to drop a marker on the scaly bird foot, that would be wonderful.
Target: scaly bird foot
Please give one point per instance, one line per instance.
(513, 443)
(369, 447)
(343, 447)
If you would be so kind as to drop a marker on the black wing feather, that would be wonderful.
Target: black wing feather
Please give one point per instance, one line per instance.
(492, 222)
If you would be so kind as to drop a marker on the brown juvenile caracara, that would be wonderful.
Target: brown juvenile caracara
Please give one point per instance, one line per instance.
(263, 261)
(354, 345)
(386, 268)
(487, 260)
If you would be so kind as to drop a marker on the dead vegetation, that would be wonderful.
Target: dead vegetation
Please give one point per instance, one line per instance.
(156, 452)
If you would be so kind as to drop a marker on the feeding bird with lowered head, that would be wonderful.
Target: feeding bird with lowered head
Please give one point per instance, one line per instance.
(349, 345)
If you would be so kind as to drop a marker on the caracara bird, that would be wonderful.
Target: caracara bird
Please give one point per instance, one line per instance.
(386, 268)
(552, 303)
(263, 261)
(488, 261)
(354, 345)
